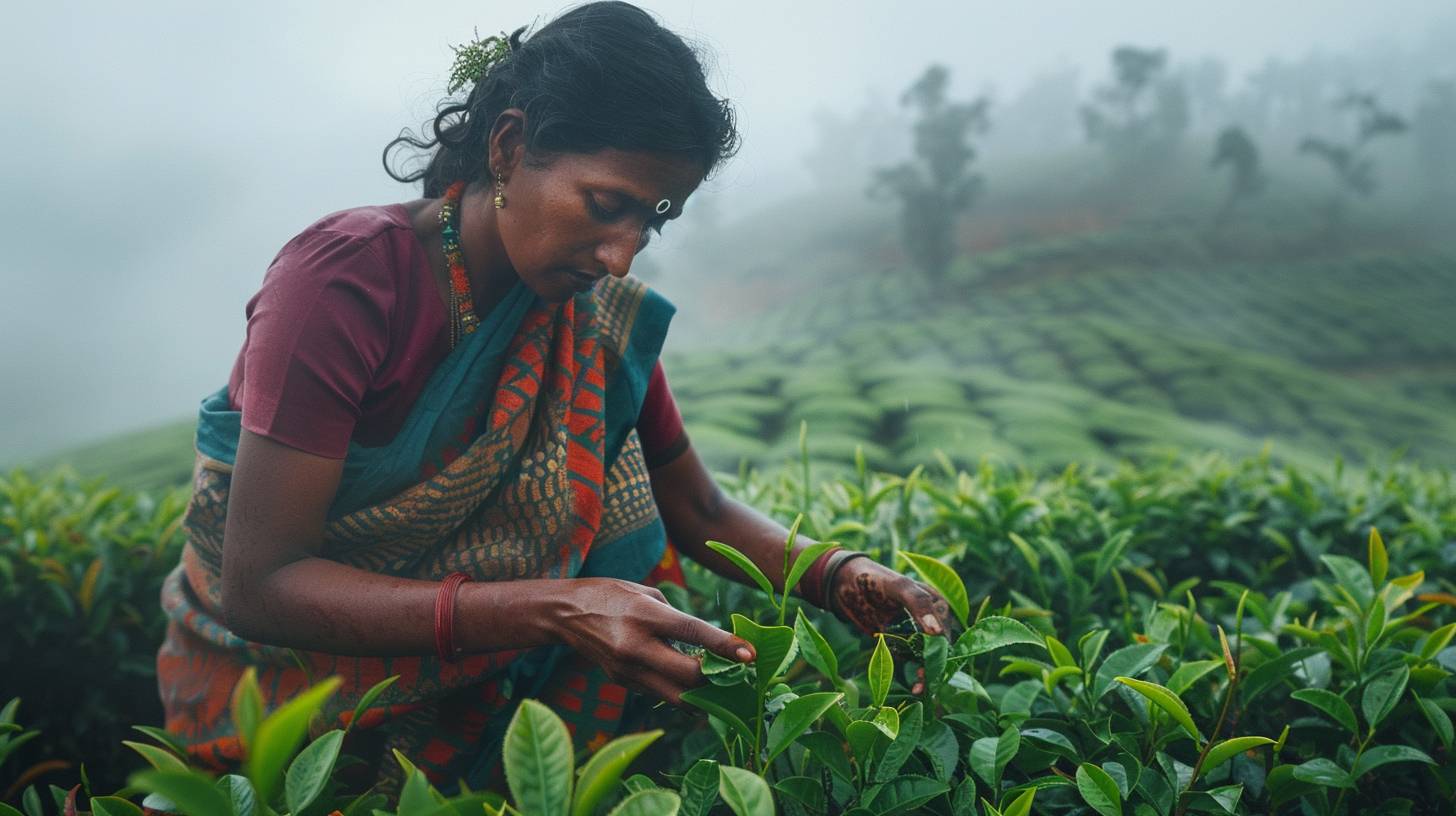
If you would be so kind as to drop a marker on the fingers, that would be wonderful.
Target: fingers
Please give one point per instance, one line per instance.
(689, 629)
(928, 609)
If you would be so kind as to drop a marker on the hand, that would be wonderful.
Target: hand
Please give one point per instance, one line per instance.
(624, 627)
(874, 598)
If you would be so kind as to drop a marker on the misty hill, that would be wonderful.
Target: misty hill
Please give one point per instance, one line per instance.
(1084, 347)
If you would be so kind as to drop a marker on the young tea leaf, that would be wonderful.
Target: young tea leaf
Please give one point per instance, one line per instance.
(1382, 693)
(745, 792)
(310, 771)
(1229, 748)
(1099, 790)
(599, 776)
(1331, 704)
(1379, 561)
(537, 756)
(795, 719)
(745, 564)
(1166, 700)
(881, 671)
(280, 734)
(944, 580)
(994, 632)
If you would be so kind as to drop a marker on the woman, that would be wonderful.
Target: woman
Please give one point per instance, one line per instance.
(447, 450)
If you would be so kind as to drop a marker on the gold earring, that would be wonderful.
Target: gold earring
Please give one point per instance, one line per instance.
(500, 192)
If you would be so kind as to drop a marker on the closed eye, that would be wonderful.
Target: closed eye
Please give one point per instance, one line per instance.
(602, 212)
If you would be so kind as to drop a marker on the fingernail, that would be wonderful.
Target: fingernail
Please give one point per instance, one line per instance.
(744, 654)
(932, 625)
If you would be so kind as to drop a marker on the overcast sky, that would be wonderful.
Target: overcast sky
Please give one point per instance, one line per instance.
(156, 155)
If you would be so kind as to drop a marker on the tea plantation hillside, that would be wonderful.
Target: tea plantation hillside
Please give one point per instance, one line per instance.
(1115, 343)
(1108, 344)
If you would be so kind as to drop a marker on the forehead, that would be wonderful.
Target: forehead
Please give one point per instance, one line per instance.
(647, 176)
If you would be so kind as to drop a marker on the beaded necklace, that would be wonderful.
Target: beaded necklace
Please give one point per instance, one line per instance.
(463, 319)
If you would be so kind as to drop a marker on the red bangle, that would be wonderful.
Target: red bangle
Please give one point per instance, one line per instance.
(811, 586)
(445, 615)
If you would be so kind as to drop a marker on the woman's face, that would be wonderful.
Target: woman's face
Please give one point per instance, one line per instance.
(579, 217)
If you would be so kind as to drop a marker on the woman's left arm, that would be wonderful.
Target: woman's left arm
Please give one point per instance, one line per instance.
(695, 510)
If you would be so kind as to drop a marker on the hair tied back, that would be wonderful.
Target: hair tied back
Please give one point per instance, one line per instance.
(474, 59)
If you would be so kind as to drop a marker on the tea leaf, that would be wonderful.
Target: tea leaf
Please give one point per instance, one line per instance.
(773, 648)
(1027, 552)
(280, 734)
(744, 564)
(994, 632)
(898, 751)
(167, 740)
(191, 791)
(369, 697)
(1189, 673)
(881, 671)
(240, 792)
(1091, 645)
(1350, 575)
(1166, 700)
(1129, 661)
(1440, 721)
(990, 755)
(1274, 670)
(1385, 755)
(160, 759)
(655, 802)
(815, 649)
(1226, 750)
(803, 562)
(1061, 655)
(1228, 655)
(906, 794)
(734, 705)
(745, 792)
(1331, 704)
(1322, 771)
(1374, 623)
(247, 706)
(1021, 805)
(1379, 561)
(699, 788)
(795, 719)
(1382, 693)
(1436, 641)
(1055, 741)
(598, 777)
(111, 806)
(1099, 790)
(1111, 554)
(944, 580)
(310, 771)
(537, 756)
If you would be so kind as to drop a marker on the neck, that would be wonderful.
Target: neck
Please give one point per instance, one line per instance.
(486, 263)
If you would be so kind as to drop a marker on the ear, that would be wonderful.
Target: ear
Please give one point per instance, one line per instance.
(507, 142)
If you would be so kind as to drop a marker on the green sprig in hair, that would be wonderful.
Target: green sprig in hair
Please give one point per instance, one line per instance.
(475, 58)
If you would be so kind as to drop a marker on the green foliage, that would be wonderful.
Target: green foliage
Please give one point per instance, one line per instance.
(1196, 636)
(80, 567)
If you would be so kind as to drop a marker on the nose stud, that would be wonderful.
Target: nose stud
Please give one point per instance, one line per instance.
(663, 206)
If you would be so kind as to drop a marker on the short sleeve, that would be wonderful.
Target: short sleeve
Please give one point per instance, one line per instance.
(318, 330)
(660, 425)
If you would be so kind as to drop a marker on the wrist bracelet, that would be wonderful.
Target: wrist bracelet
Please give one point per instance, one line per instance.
(811, 586)
(831, 572)
(445, 615)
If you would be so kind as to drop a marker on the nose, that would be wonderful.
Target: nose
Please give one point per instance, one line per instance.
(616, 252)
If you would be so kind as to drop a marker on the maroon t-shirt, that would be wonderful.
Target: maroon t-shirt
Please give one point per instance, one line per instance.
(346, 329)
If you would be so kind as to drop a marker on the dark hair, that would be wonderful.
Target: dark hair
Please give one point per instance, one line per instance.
(602, 75)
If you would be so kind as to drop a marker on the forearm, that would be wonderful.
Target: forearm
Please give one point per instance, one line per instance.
(321, 605)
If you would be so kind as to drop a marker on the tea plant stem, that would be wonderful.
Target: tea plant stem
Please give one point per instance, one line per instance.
(1208, 745)
(1359, 752)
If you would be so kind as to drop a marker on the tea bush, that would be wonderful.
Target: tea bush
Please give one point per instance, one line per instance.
(81, 564)
(1189, 636)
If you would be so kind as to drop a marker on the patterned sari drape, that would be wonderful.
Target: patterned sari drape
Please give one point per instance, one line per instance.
(518, 461)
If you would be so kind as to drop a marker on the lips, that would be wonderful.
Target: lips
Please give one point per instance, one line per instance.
(584, 280)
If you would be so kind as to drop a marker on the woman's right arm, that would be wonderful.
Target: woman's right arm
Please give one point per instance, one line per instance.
(277, 590)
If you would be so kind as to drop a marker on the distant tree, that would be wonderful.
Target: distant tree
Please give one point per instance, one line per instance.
(1235, 149)
(1435, 133)
(937, 184)
(1352, 164)
(1140, 117)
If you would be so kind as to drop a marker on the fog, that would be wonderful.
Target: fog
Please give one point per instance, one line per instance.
(157, 155)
